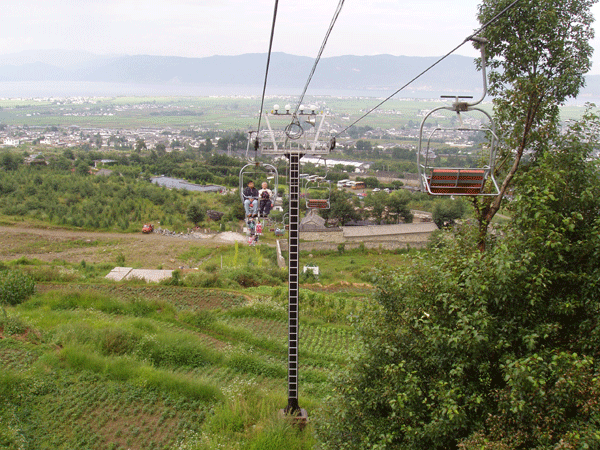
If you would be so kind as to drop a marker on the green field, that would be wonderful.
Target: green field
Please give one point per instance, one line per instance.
(214, 113)
(139, 367)
(94, 364)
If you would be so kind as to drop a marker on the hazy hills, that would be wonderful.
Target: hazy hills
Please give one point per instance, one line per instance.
(456, 74)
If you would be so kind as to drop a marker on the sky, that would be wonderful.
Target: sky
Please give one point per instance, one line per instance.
(200, 28)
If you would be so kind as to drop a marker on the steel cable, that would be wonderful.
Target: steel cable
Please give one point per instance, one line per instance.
(479, 30)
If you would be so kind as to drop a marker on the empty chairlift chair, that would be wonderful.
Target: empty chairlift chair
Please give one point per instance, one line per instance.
(317, 191)
(469, 181)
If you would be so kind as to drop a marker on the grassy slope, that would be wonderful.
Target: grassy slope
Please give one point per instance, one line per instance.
(137, 366)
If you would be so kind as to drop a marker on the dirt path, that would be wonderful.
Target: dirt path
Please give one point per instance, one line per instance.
(139, 250)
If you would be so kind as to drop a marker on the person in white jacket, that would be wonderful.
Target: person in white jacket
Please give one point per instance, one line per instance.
(265, 196)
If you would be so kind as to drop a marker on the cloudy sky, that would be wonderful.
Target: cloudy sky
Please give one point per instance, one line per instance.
(198, 28)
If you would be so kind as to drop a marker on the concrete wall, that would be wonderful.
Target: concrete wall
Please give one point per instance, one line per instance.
(383, 245)
(329, 240)
(328, 236)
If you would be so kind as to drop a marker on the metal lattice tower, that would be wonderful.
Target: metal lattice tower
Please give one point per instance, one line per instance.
(293, 294)
(302, 137)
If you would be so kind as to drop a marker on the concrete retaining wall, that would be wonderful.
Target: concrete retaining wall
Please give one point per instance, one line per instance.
(328, 236)
(329, 240)
(384, 245)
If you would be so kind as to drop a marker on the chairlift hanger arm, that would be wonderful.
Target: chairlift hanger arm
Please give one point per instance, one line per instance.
(482, 43)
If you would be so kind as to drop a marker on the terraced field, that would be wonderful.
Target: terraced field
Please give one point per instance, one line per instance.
(151, 366)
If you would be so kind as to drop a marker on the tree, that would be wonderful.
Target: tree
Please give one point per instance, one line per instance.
(237, 140)
(376, 202)
(495, 350)
(195, 213)
(140, 145)
(397, 204)
(538, 53)
(10, 161)
(364, 146)
(207, 146)
(370, 182)
(341, 208)
(60, 163)
(82, 167)
(161, 149)
(445, 212)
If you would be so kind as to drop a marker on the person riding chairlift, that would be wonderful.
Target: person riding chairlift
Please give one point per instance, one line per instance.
(266, 200)
(250, 200)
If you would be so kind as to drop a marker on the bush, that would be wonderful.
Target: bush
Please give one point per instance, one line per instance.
(12, 325)
(494, 350)
(252, 276)
(15, 288)
(245, 363)
(204, 280)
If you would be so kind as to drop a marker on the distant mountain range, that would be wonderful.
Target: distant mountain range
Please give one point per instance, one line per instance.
(455, 75)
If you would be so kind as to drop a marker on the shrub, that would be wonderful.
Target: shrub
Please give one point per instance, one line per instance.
(12, 325)
(176, 350)
(204, 280)
(15, 288)
(245, 363)
(175, 279)
(117, 341)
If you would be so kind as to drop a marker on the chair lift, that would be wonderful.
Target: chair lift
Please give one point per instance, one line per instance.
(467, 181)
(259, 172)
(318, 191)
(280, 228)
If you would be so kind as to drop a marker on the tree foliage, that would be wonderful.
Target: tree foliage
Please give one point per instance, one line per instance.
(195, 213)
(341, 208)
(391, 208)
(446, 212)
(10, 161)
(496, 350)
(538, 53)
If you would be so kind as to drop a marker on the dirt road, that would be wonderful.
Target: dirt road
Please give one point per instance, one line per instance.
(138, 250)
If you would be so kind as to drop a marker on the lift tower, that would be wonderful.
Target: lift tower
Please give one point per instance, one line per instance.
(303, 136)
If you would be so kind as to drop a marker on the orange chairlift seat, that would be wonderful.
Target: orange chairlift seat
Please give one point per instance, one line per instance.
(444, 181)
(317, 203)
(436, 180)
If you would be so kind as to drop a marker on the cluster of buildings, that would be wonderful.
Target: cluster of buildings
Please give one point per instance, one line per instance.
(100, 138)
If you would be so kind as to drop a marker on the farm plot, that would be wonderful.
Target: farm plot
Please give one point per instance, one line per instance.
(143, 367)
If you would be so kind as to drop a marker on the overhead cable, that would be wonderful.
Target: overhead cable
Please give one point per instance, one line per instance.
(470, 37)
(262, 102)
(333, 20)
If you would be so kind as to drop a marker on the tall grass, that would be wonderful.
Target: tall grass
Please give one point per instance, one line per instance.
(255, 365)
(68, 299)
(248, 419)
(227, 363)
(128, 369)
